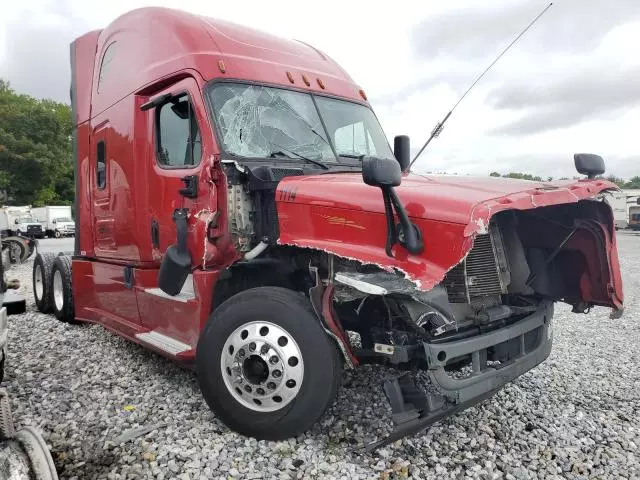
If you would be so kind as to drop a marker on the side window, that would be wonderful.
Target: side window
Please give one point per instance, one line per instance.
(354, 139)
(101, 165)
(107, 59)
(178, 136)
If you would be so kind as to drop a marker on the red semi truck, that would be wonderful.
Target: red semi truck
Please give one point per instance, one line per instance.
(239, 209)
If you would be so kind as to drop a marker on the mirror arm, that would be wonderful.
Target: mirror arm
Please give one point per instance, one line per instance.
(412, 241)
(392, 235)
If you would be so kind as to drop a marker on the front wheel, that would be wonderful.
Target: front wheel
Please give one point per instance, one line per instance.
(265, 365)
(57, 234)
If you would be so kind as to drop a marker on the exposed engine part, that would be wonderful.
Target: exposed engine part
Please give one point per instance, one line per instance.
(240, 210)
(490, 315)
(257, 250)
(485, 270)
(360, 284)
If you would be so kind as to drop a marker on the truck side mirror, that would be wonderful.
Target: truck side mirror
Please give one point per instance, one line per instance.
(589, 164)
(54, 221)
(176, 263)
(380, 172)
(401, 151)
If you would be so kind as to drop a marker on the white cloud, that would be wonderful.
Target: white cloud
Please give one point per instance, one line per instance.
(410, 87)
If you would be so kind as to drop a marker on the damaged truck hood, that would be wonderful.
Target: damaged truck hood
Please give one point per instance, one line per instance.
(340, 214)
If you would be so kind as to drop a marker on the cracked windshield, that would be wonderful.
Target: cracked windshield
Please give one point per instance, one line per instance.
(264, 122)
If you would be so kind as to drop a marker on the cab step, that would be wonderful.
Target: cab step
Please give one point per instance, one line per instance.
(163, 342)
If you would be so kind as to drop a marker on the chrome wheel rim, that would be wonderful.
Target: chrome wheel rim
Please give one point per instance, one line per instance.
(58, 296)
(262, 366)
(38, 284)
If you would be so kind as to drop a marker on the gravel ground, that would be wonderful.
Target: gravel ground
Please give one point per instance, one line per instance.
(575, 416)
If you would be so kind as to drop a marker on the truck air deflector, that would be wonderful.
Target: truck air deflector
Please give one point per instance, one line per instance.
(74, 149)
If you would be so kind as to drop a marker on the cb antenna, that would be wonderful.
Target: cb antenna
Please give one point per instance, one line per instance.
(440, 125)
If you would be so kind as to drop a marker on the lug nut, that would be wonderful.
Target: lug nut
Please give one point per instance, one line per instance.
(276, 374)
(260, 391)
(273, 360)
(252, 346)
(264, 349)
(271, 386)
(247, 388)
(241, 353)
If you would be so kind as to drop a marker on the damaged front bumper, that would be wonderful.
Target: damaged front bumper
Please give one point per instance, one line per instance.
(525, 343)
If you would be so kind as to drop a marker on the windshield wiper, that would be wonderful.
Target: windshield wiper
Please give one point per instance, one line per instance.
(283, 151)
(350, 155)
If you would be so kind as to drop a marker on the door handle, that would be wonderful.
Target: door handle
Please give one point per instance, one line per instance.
(190, 189)
(155, 233)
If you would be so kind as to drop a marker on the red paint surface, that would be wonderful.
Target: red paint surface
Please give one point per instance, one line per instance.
(334, 324)
(346, 217)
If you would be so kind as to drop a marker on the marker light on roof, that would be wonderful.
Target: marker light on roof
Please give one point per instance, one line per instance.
(321, 83)
(306, 80)
(363, 95)
(290, 77)
(221, 66)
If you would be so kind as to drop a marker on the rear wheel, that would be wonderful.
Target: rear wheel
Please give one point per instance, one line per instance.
(61, 292)
(265, 365)
(42, 266)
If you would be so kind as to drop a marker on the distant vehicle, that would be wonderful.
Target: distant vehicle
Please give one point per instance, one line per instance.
(18, 220)
(29, 227)
(634, 217)
(56, 220)
(618, 202)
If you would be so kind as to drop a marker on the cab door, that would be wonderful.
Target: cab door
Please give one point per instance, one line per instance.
(179, 173)
(182, 194)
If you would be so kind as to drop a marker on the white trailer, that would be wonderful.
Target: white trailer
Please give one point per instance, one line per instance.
(56, 220)
(617, 200)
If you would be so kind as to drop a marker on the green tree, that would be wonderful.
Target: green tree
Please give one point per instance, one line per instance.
(35, 149)
(633, 183)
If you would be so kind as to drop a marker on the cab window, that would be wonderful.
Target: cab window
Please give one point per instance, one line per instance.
(179, 143)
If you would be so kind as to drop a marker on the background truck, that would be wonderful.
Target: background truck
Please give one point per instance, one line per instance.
(634, 217)
(618, 202)
(56, 221)
(20, 221)
(239, 209)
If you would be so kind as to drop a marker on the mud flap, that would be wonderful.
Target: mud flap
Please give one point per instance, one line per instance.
(526, 343)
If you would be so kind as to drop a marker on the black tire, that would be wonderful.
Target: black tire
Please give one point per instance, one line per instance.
(64, 310)
(18, 249)
(41, 274)
(322, 362)
(2, 362)
(57, 234)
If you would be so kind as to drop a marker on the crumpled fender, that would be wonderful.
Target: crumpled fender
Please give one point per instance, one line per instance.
(337, 217)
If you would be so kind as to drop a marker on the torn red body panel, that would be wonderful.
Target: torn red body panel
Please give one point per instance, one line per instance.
(346, 217)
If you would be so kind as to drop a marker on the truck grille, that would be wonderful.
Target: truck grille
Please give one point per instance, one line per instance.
(34, 229)
(477, 275)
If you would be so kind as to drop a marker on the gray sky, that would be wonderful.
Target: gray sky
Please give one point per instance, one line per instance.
(570, 85)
